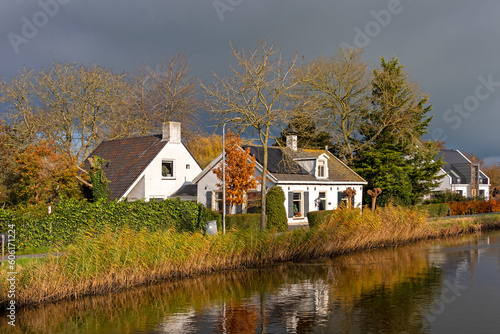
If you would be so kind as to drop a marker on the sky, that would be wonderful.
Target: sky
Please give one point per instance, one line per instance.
(450, 48)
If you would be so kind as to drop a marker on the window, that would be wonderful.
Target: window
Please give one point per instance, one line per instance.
(322, 200)
(167, 168)
(321, 169)
(460, 192)
(188, 166)
(298, 205)
(218, 201)
(481, 193)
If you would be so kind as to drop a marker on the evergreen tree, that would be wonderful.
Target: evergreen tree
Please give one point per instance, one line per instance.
(307, 134)
(397, 161)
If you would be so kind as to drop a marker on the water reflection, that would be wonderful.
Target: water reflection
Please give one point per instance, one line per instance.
(411, 289)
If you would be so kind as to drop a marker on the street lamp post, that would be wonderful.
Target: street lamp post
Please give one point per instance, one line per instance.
(224, 177)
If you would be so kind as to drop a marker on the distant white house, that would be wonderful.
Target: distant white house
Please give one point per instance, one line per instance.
(311, 180)
(461, 176)
(153, 167)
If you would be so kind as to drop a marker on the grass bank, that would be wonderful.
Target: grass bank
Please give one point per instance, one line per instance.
(119, 259)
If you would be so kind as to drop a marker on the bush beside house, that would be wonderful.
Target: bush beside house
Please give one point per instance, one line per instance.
(316, 218)
(275, 209)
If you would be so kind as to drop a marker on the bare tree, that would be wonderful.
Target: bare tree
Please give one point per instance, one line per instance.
(72, 105)
(19, 99)
(79, 103)
(167, 92)
(337, 90)
(255, 95)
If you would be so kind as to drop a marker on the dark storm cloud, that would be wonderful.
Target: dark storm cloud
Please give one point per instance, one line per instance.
(445, 45)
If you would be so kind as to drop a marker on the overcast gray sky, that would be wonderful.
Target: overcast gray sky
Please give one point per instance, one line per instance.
(450, 47)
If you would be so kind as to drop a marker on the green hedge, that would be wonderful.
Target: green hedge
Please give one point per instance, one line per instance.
(316, 218)
(435, 210)
(35, 229)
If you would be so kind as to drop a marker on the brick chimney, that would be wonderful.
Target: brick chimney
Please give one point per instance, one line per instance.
(171, 132)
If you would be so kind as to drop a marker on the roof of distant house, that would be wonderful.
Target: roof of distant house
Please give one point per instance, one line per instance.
(457, 165)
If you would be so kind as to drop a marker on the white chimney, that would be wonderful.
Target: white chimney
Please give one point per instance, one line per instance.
(291, 142)
(171, 132)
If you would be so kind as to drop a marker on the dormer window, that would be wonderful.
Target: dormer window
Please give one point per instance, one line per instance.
(322, 172)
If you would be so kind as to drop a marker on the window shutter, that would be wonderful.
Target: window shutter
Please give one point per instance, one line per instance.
(290, 204)
(306, 202)
(209, 200)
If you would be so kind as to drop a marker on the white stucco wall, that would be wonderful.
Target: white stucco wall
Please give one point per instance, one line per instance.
(486, 189)
(314, 190)
(208, 183)
(138, 192)
(445, 181)
(152, 184)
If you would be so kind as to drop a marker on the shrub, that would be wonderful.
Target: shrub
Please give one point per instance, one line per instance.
(244, 221)
(435, 210)
(478, 206)
(317, 218)
(275, 209)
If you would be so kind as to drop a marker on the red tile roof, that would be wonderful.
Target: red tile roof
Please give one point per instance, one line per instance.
(126, 160)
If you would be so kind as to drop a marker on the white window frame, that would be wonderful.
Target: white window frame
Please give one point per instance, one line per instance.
(322, 199)
(301, 208)
(322, 165)
(164, 161)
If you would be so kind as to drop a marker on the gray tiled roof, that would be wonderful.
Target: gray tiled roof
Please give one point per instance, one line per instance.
(281, 164)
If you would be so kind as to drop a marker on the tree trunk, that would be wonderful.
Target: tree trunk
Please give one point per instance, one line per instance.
(263, 189)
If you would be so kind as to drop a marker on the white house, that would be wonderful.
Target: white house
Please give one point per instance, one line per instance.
(311, 180)
(153, 167)
(461, 176)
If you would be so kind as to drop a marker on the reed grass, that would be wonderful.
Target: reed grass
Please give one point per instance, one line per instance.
(119, 259)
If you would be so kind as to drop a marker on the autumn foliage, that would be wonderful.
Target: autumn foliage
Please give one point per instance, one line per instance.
(240, 169)
(41, 174)
(464, 207)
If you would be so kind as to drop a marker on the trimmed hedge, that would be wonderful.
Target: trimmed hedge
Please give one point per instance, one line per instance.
(464, 208)
(435, 210)
(316, 218)
(35, 228)
(275, 209)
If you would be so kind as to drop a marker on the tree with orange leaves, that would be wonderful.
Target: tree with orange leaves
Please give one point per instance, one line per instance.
(42, 174)
(240, 170)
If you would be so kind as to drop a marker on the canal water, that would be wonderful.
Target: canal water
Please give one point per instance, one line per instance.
(442, 286)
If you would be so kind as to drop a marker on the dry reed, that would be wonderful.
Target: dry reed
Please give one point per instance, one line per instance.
(116, 260)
